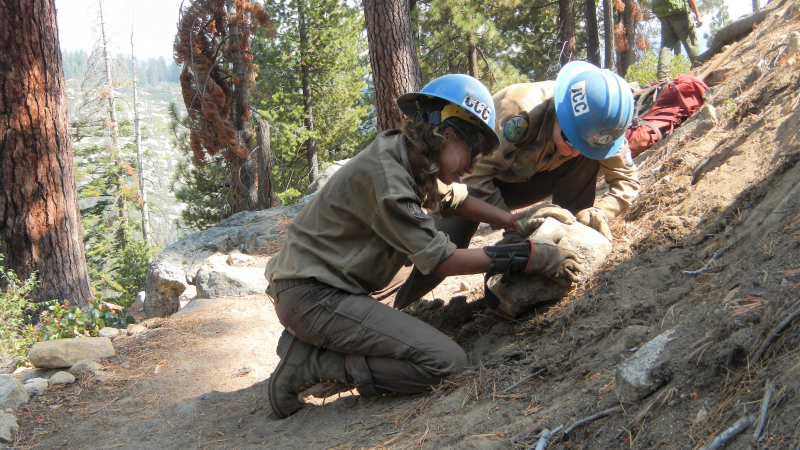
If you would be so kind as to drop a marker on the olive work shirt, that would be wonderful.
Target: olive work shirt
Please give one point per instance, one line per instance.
(365, 223)
(523, 152)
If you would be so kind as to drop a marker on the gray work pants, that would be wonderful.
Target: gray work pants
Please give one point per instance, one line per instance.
(674, 30)
(386, 350)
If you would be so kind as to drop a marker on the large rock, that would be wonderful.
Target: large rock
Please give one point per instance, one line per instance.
(230, 281)
(12, 392)
(8, 425)
(67, 352)
(326, 175)
(173, 270)
(645, 371)
(529, 290)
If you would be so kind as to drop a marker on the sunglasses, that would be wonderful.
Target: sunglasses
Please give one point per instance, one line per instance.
(475, 152)
(564, 137)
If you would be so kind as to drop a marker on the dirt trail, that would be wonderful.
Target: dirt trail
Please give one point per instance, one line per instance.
(735, 188)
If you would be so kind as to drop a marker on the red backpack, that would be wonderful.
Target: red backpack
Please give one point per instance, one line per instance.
(661, 108)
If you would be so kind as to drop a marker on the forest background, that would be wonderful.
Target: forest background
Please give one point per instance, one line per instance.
(147, 174)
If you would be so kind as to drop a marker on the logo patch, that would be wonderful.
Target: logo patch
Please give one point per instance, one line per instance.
(415, 210)
(515, 128)
(628, 159)
(477, 107)
(577, 95)
(603, 139)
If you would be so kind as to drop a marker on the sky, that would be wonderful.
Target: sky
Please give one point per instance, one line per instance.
(154, 23)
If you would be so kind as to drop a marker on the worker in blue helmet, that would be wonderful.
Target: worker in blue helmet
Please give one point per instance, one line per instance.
(373, 215)
(555, 137)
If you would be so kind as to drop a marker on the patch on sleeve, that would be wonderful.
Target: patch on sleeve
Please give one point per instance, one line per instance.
(628, 159)
(515, 128)
(415, 210)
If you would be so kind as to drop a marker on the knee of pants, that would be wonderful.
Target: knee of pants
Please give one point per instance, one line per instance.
(451, 361)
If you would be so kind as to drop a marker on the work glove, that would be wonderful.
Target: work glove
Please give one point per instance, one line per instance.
(530, 220)
(510, 237)
(557, 263)
(595, 218)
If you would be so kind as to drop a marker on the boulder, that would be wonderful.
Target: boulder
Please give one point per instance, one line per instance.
(230, 281)
(87, 365)
(645, 371)
(326, 175)
(12, 392)
(706, 118)
(67, 352)
(62, 378)
(529, 290)
(36, 386)
(172, 271)
(8, 425)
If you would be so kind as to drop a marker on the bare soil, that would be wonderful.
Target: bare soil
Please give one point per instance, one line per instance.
(197, 381)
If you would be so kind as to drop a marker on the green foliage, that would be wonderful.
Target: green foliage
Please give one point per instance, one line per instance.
(289, 196)
(729, 106)
(336, 59)
(644, 71)
(64, 322)
(205, 189)
(16, 310)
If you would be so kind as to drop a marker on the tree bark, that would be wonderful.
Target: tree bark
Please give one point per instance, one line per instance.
(566, 33)
(308, 110)
(627, 53)
(243, 177)
(392, 56)
(473, 61)
(593, 44)
(608, 25)
(39, 217)
(137, 127)
(266, 196)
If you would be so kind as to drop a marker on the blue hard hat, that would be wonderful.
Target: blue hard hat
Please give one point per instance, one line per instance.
(594, 107)
(454, 95)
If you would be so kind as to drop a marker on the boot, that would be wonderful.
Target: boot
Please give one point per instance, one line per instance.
(322, 390)
(302, 366)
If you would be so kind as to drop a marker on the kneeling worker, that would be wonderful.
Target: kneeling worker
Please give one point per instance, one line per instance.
(555, 137)
(359, 230)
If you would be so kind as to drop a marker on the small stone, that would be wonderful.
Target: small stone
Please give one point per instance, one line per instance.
(8, 425)
(135, 329)
(67, 352)
(12, 392)
(20, 370)
(36, 386)
(62, 378)
(464, 286)
(239, 258)
(108, 332)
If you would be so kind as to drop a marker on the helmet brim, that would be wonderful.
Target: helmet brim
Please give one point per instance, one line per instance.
(563, 108)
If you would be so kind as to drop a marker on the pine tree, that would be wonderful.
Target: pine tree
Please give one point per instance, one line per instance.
(333, 60)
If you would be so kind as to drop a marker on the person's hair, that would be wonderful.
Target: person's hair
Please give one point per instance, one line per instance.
(428, 139)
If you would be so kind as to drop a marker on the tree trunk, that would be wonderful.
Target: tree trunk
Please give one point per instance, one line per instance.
(627, 53)
(392, 56)
(137, 128)
(473, 61)
(608, 25)
(593, 44)
(112, 109)
(737, 30)
(266, 197)
(40, 225)
(756, 5)
(566, 33)
(243, 177)
(308, 110)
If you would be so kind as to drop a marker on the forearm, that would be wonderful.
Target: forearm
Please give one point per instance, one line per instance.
(693, 6)
(464, 262)
(480, 211)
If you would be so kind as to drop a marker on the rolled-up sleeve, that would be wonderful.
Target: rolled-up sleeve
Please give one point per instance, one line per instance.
(401, 223)
(622, 178)
(452, 197)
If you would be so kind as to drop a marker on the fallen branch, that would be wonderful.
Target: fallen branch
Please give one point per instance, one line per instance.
(522, 381)
(740, 425)
(774, 333)
(706, 268)
(591, 418)
(762, 419)
(544, 440)
(100, 408)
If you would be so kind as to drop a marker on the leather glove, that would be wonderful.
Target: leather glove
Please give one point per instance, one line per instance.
(595, 218)
(557, 263)
(510, 237)
(530, 220)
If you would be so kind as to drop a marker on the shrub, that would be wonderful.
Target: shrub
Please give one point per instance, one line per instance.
(64, 321)
(16, 330)
(644, 71)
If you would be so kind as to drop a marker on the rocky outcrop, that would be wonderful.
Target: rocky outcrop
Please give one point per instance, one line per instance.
(529, 290)
(174, 269)
(229, 281)
(66, 352)
(12, 392)
(8, 425)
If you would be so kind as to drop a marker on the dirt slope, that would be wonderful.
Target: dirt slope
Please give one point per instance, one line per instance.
(197, 382)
